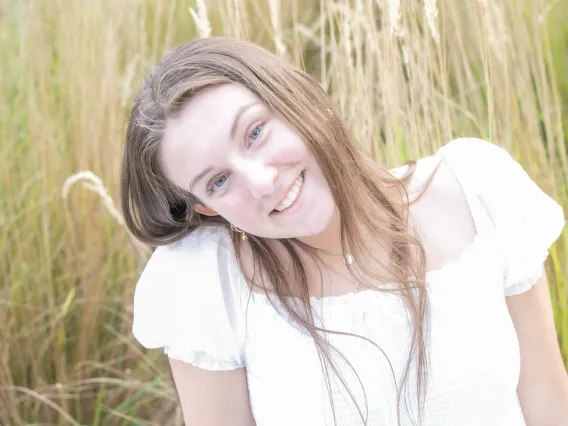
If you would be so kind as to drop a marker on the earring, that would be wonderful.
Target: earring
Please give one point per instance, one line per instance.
(243, 233)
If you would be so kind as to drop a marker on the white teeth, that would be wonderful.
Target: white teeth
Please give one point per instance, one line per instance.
(292, 194)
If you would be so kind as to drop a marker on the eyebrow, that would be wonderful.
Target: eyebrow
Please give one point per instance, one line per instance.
(233, 131)
(200, 176)
(238, 116)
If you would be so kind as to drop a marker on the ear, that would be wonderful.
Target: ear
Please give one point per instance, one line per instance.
(200, 208)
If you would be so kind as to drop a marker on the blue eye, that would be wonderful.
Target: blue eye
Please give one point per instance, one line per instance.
(222, 179)
(216, 183)
(255, 132)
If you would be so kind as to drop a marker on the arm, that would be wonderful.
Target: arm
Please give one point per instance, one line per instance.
(212, 398)
(543, 383)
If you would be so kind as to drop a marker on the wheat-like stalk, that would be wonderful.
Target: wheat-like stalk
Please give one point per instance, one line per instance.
(394, 16)
(495, 29)
(201, 20)
(431, 11)
(93, 183)
(274, 6)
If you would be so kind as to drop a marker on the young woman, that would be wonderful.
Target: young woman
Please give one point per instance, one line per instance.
(297, 282)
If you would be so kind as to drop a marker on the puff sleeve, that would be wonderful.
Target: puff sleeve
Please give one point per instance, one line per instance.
(186, 301)
(527, 221)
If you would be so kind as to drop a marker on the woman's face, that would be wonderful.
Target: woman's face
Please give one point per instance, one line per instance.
(247, 165)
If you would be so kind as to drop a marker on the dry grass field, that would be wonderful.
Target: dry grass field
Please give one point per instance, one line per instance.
(407, 76)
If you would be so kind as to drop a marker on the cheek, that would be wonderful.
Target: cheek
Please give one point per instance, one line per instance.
(302, 154)
(287, 145)
(238, 209)
(301, 150)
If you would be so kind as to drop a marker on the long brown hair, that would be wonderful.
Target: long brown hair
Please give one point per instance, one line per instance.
(157, 212)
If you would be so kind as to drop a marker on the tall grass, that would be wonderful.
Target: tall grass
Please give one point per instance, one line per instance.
(407, 77)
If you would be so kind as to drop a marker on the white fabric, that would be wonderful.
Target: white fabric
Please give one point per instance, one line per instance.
(192, 301)
(181, 295)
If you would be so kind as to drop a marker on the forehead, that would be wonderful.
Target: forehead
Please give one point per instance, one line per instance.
(212, 109)
(201, 129)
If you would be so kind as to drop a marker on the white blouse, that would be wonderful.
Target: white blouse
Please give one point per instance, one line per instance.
(192, 301)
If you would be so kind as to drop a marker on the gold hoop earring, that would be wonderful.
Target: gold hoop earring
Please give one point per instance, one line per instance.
(243, 233)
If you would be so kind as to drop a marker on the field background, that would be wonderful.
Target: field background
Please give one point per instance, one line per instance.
(407, 76)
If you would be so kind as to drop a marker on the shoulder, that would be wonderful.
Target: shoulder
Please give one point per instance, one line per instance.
(479, 180)
(439, 210)
(441, 190)
(187, 301)
(180, 260)
(439, 179)
(478, 164)
(197, 242)
(473, 146)
(463, 169)
(457, 166)
(188, 270)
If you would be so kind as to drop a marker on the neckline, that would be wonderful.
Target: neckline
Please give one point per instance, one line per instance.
(342, 298)
(465, 253)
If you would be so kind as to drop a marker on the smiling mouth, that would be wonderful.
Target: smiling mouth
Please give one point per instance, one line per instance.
(292, 195)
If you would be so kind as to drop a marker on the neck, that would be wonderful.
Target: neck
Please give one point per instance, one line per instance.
(329, 240)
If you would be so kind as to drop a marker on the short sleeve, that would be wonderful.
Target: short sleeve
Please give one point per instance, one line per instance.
(187, 301)
(527, 221)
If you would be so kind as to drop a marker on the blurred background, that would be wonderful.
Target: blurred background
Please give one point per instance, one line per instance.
(407, 76)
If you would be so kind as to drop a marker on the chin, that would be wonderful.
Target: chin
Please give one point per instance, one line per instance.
(317, 224)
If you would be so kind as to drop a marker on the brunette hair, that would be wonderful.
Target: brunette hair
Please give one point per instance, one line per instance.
(157, 212)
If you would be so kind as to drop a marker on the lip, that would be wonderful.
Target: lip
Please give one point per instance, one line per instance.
(294, 206)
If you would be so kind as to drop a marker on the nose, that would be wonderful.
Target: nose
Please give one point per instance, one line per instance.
(259, 177)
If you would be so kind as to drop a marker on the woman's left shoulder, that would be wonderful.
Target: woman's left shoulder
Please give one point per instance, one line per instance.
(527, 220)
(476, 158)
(432, 180)
(476, 147)
(439, 211)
